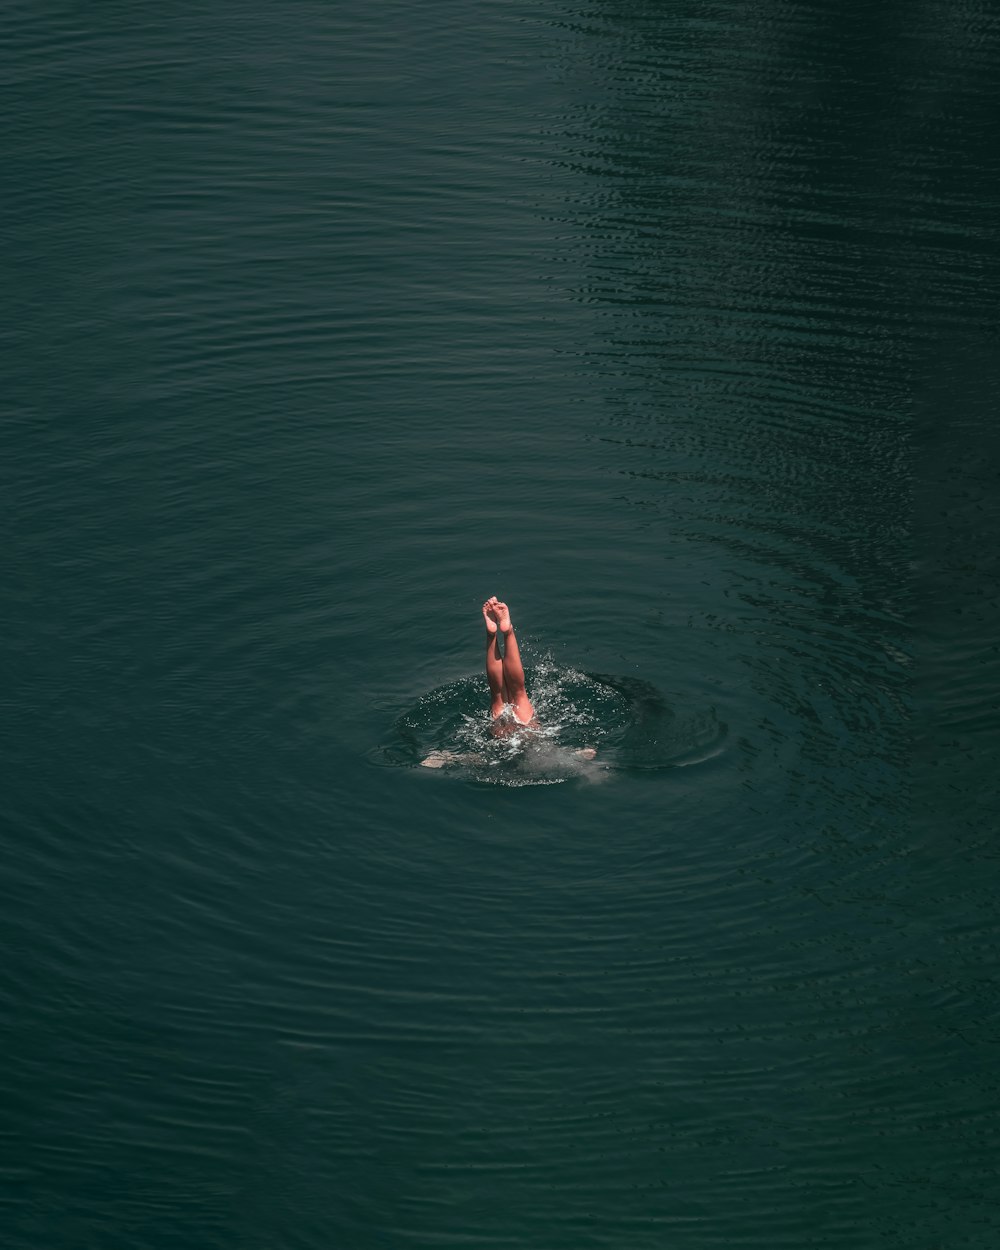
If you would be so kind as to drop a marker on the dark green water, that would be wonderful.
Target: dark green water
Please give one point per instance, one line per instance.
(673, 324)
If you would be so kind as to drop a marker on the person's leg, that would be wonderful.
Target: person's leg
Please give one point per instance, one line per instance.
(498, 691)
(513, 671)
(494, 664)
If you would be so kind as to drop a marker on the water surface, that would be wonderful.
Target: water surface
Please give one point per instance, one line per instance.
(672, 325)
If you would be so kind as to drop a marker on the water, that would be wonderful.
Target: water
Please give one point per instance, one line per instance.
(673, 326)
(623, 724)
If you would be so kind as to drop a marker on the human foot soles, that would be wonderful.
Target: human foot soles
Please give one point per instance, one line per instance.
(501, 614)
(586, 753)
(491, 625)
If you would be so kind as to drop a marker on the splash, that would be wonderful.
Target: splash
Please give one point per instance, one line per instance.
(628, 723)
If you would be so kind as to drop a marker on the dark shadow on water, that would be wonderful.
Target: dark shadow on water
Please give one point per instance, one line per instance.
(630, 724)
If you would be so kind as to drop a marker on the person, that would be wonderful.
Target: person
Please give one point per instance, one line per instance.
(511, 711)
(510, 707)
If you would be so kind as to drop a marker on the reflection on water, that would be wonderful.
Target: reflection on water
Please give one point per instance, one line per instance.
(627, 723)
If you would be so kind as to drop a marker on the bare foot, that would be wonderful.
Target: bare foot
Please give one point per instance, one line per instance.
(491, 625)
(501, 614)
(586, 753)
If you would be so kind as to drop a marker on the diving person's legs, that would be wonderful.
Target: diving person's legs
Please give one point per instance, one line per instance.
(494, 663)
(513, 671)
(498, 691)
